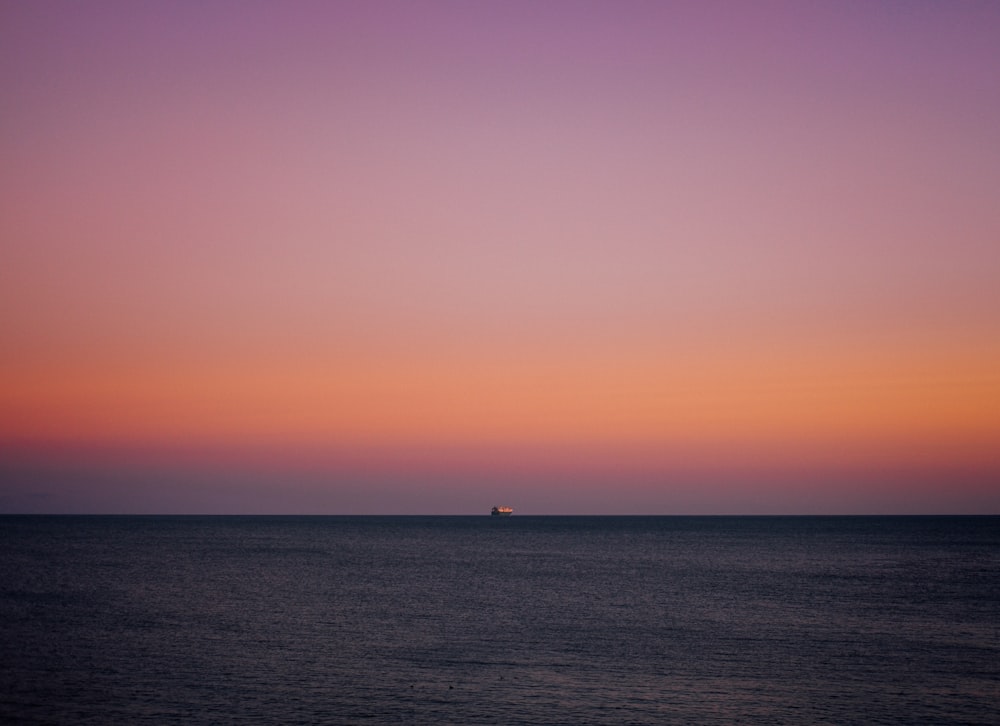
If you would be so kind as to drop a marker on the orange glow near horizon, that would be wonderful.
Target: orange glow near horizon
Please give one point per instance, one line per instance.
(801, 406)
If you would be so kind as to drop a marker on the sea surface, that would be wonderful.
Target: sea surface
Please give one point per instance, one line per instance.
(499, 620)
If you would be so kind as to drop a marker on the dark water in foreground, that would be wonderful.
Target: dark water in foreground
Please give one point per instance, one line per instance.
(476, 620)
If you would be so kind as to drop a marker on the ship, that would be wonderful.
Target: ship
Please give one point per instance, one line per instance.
(501, 511)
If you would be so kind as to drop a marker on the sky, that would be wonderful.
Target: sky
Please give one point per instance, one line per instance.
(571, 257)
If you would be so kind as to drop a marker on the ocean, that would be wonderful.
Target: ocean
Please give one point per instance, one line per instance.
(499, 620)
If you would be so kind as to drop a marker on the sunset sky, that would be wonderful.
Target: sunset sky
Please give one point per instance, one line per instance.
(428, 257)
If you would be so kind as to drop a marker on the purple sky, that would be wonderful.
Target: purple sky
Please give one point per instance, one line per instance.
(577, 257)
